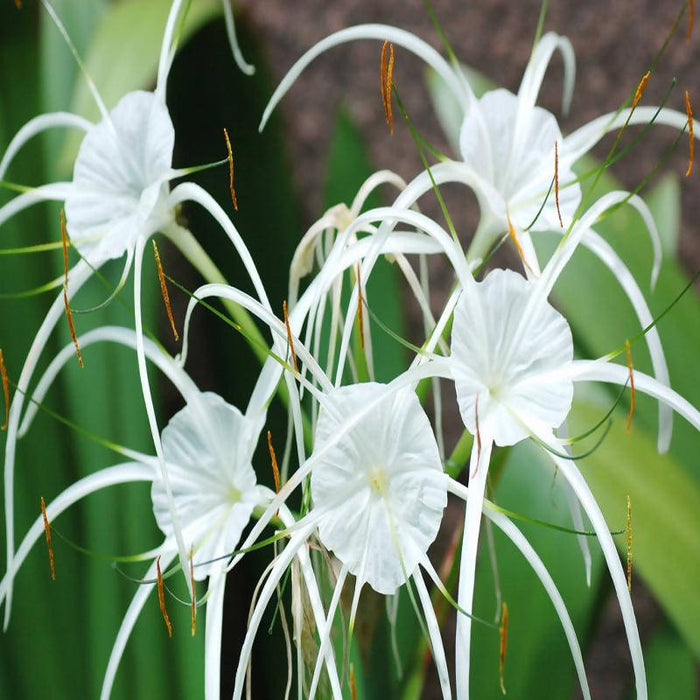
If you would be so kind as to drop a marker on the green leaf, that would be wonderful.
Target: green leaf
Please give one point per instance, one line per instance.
(664, 200)
(665, 515)
(670, 665)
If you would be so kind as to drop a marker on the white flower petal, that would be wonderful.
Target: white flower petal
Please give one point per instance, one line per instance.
(391, 465)
(208, 447)
(120, 178)
(493, 354)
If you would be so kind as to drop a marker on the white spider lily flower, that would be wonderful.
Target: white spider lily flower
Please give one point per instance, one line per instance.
(514, 374)
(507, 149)
(379, 492)
(208, 446)
(118, 198)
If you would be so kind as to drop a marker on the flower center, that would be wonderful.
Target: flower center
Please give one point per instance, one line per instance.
(376, 478)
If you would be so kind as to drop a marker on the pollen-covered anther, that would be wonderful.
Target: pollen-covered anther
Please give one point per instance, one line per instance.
(628, 540)
(691, 136)
(230, 171)
(290, 340)
(353, 688)
(556, 182)
(503, 632)
(161, 599)
(691, 19)
(628, 352)
(273, 459)
(518, 247)
(164, 291)
(640, 89)
(387, 72)
(47, 531)
(194, 594)
(69, 313)
(5, 391)
(360, 315)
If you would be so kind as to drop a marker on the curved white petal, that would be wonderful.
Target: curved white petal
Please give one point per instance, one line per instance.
(56, 191)
(76, 278)
(601, 371)
(113, 334)
(580, 487)
(479, 465)
(380, 32)
(583, 139)
(35, 126)
(512, 532)
(610, 258)
(132, 613)
(242, 64)
(118, 474)
(212, 634)
(537, 66)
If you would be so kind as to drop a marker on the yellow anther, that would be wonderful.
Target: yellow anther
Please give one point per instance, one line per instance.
(360, 313)
(290, 340)
(47, 531)
(503, 631)
(387, 71)
(273, 459)
(640, 89)
(164, 291)
(230, 171)
(161, 598)
(69, 313)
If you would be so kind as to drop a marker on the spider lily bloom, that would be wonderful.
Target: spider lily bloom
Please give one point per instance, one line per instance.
(507, 149)
(513, 367)
(118, 198)
(208, 446)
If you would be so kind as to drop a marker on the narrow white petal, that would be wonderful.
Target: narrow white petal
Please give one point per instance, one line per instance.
(380, 32)
(436, 644)
(132, 613)
(242, 64)
(481, 454)
(76, 278)
(56, 191)
(36, 126)
(212, 634)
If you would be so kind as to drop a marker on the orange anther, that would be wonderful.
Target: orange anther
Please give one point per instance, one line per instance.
(387, 71)
(273, 458)
(353, 688)
(691, 136)
(556, 181)
(691, 19)
(640, 89)
(628, 351)
(360, 314)
(18, 4)
(5, 391)
(628, 538)
(290, 340)
(47, 530)
(503, 631)
(230, 170)
(69, 313)
(164, 291)
(161, 598)
(194, 594)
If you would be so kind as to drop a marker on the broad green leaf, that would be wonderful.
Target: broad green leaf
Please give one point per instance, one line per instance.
(665, 515)
(664, 200)
(670, 666)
